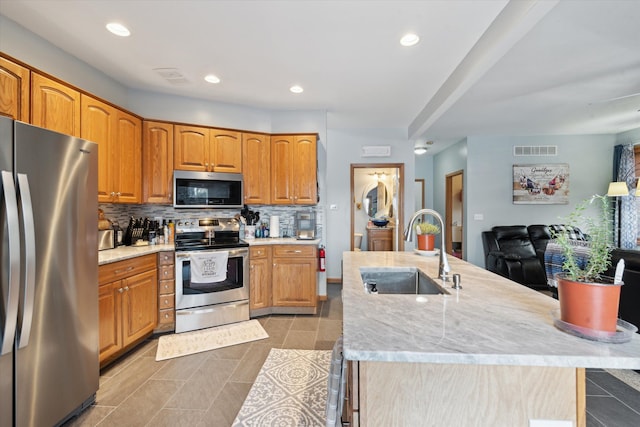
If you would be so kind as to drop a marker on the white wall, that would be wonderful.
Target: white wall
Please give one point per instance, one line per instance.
(343, 149)
(488, 181)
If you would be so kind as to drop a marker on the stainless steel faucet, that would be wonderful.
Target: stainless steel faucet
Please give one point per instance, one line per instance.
(443, 268)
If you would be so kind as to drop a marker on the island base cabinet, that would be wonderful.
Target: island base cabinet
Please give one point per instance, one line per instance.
(412, 394)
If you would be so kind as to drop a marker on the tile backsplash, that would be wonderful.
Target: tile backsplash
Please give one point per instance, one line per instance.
(123, 212)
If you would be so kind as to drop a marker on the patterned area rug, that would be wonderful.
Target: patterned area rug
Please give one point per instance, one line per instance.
(176, 345)
(290, 390)
(628, 376)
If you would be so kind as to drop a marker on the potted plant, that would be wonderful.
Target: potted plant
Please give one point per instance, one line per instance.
(426, 235)
(589, 299)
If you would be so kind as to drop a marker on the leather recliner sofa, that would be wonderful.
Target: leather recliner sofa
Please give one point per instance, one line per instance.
(510, 252)
(630, 291)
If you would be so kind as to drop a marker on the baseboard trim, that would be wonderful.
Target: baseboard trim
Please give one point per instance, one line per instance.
(334, 280)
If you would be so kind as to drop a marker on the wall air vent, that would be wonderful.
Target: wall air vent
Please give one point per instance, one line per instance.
(535, 150)
(375, 151)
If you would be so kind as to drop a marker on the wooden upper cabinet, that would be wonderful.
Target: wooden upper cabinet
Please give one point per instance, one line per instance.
(191, 148)
(98, 122)
(293, 169)
(119, 138)
(157, 162)
(256, 161)
(54, 106)
(281, 159)
(226, 151)
(305, 182)
(14, 90)
(127, 147)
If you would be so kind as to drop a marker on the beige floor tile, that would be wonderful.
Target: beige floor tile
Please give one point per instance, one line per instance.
(234, 352)
(305, 323)
(302, 340)
(251, 363)
(324, 345)
(180, 368)
(171, 417)
(204, 385)
(119, 387)
(227, 405)
(279, 322)
(91, 417)
(143, 404)
(329, 330)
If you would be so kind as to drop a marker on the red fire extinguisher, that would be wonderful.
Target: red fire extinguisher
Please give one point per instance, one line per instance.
(321, 256)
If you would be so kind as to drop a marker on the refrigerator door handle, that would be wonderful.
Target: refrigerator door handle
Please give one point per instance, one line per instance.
(12, 297)
(28, 297)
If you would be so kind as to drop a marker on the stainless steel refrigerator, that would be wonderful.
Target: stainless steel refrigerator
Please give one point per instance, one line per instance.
(49, 365)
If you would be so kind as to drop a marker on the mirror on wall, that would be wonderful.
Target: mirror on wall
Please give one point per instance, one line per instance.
(376, 200)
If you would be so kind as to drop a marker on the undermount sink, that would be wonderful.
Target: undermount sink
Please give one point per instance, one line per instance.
(399, 280)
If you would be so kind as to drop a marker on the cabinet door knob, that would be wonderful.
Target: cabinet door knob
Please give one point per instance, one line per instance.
(126, 288)
(121, 290)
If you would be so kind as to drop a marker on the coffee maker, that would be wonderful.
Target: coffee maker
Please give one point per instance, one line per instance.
(305, 225)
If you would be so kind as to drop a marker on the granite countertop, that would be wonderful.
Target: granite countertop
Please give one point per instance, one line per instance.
(491, 321)
(125, 252)
(280, 241)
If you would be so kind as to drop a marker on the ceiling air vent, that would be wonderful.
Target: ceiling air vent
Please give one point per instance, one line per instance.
(535, 150)
(172, 75)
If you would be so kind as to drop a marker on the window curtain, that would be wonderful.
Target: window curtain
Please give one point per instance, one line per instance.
(626, 216)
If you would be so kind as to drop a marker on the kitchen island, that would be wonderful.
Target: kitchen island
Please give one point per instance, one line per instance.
(487, 354)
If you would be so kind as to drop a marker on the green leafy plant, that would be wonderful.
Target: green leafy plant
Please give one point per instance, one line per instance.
(600, 231)
(427, 228)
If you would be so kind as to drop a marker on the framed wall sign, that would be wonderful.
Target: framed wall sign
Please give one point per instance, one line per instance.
(546, 184)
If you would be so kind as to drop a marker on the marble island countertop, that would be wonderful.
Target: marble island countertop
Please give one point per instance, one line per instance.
(490, 321)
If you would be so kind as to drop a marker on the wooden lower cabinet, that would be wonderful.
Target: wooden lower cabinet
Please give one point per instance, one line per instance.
(128, 301)
(283, 279)
(259, 277)
(379, 239)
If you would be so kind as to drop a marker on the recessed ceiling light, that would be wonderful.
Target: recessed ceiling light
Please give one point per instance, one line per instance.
(296, 89)
(409, 39)
(212, 78)
(118, 29)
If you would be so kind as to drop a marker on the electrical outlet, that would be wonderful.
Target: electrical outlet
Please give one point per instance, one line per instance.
(550, 423)
(478, 217)
(333, 207)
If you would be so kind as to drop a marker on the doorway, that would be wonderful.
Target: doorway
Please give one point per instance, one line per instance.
(377, 191)
(454, 214)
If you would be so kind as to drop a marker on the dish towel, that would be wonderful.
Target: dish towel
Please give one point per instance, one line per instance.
(336, 385)
(209, 267)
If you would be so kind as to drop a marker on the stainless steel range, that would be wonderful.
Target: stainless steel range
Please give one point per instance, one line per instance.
(212, 273)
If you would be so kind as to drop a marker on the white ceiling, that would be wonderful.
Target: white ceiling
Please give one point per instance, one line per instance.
(482, 67)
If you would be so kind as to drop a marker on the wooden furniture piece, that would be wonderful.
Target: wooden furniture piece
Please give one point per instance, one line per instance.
(379, 238)
(127, 304)
(294, 276)
(203, 149)
(259, 278)
(119, 138)
(256, 158)
(14, 90)
(157, 162)
(294, 170)
(166, 292)
(54, 106)
(282, 279)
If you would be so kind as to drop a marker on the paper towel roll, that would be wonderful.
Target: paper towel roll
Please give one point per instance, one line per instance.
(274, 226)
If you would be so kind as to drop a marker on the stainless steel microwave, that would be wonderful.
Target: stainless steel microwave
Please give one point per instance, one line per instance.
(207, 190)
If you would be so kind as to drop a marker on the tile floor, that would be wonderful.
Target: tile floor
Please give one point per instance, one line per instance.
(208, 389)
(204, 389)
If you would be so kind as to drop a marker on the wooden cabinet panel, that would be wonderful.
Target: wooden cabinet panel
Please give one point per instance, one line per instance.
(226, 151)
(127, 147)
(256, 161)
(379, 239)
(109, 302)
(294, 283)
(305, 170)
(191, 148)
(14, 90)
(259, 278)
(157, 162)
(118, 135)
(286, 251)
(166, 291)
(54, 106)
(281, 159)
(128, 303)
(294, 169)
(139, 306)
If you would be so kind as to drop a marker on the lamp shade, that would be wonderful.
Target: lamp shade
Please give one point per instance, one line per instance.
(618, 189)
